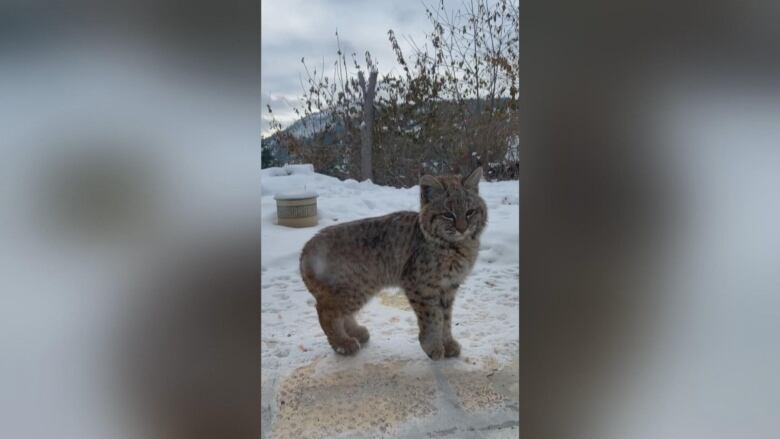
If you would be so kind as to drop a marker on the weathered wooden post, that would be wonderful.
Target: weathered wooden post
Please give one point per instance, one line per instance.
(367, 126)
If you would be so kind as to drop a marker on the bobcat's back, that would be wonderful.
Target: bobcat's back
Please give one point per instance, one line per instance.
(363, 255)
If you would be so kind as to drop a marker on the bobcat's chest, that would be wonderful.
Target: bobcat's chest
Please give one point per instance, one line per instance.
(455, 265)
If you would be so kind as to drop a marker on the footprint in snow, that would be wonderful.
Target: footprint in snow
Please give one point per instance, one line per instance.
(271, 323)
(282, 352)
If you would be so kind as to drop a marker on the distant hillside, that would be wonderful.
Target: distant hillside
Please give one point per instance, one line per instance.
(311, 126)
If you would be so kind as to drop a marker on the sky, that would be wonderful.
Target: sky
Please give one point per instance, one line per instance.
(292, 29)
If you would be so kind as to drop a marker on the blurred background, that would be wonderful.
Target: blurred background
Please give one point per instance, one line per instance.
(649, 247)
(129, 303)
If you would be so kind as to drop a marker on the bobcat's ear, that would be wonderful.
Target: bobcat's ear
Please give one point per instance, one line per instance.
(428, 186)
(472, 181)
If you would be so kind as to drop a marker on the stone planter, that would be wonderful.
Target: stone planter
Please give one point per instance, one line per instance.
(296, 210)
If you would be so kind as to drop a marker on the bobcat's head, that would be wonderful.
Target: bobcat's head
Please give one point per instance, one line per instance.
(451, 209)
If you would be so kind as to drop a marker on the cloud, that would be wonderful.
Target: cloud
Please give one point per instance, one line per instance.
(292, 29)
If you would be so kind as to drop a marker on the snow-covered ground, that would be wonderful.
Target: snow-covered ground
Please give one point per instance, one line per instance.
(456, 397)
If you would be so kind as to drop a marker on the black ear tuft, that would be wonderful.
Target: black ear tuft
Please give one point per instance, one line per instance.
(472, 181)
(428, 185)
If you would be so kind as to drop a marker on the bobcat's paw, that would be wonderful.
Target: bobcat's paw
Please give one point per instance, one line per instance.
(451, 348)
(435, 353)
(433, 348)
(360, 333)
(349, 346)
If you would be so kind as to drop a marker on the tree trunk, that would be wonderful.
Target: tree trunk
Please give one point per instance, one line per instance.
(367, 125)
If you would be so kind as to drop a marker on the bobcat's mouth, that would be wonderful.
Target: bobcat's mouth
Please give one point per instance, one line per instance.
(459, 236)
(468, 232)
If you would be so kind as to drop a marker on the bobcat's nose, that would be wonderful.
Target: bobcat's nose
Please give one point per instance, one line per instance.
(461, 225)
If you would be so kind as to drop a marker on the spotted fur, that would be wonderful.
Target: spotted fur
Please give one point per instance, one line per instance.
(428, 254)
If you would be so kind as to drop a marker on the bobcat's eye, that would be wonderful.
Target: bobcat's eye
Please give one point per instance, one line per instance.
(470, 212)
(448, 216)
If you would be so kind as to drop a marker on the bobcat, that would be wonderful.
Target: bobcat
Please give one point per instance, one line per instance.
(428, 254)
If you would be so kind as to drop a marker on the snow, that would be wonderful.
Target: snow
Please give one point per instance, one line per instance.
(295, 195)
(485, 314)
(275, 172)
(306, 169)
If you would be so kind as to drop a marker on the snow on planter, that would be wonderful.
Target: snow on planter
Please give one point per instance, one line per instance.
(306, 168)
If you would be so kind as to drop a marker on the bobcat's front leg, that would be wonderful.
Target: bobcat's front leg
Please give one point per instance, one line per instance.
(430, 319)
(451, 346)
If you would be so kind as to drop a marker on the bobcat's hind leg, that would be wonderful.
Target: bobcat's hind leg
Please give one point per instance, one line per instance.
(355, 330)
(333, 323)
